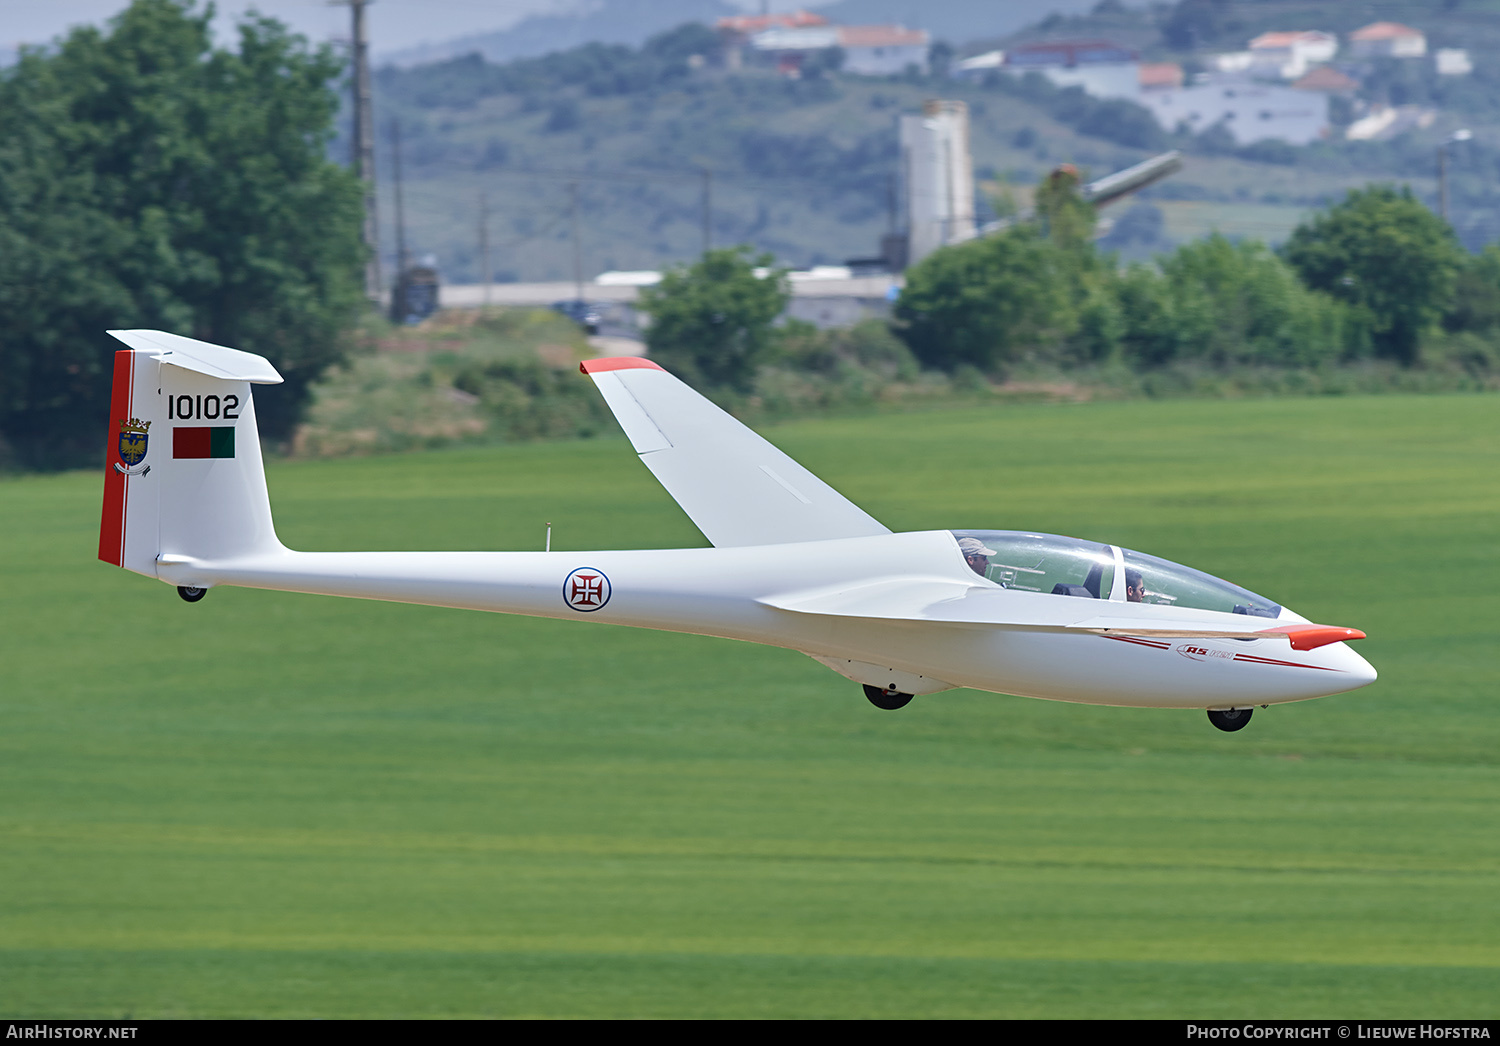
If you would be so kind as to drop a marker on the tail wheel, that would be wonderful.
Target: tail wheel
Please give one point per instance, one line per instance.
(890, 700)
(1230, 719)
(190, 594)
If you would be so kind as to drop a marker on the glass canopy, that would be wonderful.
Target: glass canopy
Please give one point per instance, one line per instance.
(1062, 566)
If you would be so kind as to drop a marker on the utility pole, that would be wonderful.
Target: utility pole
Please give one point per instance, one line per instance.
(1461, 135)
(484, 245)
(363, 159)
(401, 265)
(1443, 181)
(708, 210)
(398, 290)
(577, 249)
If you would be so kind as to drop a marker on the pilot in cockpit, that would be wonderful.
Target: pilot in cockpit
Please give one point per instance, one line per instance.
(1135, 586)
(976, 555)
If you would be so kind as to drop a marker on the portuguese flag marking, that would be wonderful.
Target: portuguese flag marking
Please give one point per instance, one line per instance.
(208, 441)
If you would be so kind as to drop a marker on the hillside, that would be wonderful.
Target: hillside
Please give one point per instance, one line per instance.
(804, 169)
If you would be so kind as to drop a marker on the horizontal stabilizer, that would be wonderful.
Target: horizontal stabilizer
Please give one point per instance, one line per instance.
(216, 361)
(735, 486)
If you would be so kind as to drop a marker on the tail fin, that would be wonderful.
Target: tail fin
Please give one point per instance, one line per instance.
(184, 474)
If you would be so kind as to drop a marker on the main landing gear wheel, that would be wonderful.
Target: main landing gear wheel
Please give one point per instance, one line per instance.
(191, 594)
(1230, 719)
(890, 700)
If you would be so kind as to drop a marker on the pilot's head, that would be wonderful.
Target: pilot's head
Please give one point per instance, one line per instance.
(1135, 587)
(975, 554)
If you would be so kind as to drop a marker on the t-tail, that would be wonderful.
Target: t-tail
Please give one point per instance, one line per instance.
(184, 475)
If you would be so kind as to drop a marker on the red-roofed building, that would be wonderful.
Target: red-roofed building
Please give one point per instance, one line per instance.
(868, 50)
(1160, 76)
(883, 50)
(1387, 40)
(737, 31)
(1289, 55)
(1327, 79)
(749, 25)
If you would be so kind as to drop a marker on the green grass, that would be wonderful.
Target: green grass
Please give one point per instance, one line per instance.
(270, 805)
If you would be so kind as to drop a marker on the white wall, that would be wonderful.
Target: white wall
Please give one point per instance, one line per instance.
(1252, 112)
(884, 61)
(1098, 79)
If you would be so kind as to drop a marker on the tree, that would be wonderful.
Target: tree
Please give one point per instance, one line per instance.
(1388, 256)
(1476, 294)
(987, 301)
(711, 322)
(1192, 23)
(1068, 219)
(148, 179)
(1236, 303)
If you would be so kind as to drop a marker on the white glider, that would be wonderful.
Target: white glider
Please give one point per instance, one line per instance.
(793, 564)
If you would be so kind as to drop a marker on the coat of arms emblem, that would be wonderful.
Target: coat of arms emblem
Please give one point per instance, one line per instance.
(134, 438)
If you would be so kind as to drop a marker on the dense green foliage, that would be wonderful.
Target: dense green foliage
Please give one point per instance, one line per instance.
(1476, 294)
(985, 302)
(1372, 276)
(1389, 257)
(1227, 304)
(298, 806)
(711, 321)
(149, 179)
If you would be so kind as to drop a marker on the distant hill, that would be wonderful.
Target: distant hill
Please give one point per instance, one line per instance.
(629, 22)
(632, 22)
(956, 21)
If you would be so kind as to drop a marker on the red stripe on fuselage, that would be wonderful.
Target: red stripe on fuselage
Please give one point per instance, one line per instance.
(1252, 659)
(112, 518)
(1153, 644)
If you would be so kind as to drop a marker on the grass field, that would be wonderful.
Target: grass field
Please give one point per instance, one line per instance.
(268, 805)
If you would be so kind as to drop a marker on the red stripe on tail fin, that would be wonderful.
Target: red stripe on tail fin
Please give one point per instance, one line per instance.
(616, 363)
(112, 519)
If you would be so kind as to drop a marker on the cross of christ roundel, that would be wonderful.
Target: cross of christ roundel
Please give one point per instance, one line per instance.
(586, 589)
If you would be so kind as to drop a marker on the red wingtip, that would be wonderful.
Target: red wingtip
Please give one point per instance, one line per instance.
(1310, 637)
(616, 363)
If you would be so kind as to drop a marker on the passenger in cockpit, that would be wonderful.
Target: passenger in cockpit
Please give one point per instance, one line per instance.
(1135, 587)
(976, 554)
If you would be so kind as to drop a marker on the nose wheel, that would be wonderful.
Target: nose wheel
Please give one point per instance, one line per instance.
(190, 593)
(890, 700)
(1228, 719)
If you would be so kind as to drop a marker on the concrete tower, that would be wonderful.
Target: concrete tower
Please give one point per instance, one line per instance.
(939, 177)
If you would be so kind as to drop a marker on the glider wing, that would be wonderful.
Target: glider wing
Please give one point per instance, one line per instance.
(735, 486)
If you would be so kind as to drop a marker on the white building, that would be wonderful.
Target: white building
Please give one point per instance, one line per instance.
(1452, 61)
(939, 177)
(1387, 40)
(869, 50)
(1102, 69)
(1286, 56)
(1250, 111)
(883, 50)
(979, 66)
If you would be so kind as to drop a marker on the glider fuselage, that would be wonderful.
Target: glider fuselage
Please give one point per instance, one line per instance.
(826, 599)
